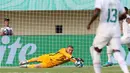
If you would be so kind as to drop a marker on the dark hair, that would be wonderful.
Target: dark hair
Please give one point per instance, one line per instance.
(6, 19)
(126, 9)
(70, 46)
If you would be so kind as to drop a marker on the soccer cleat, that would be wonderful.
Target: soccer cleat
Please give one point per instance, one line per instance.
(23, 66)
(108, 64)
(23, 62)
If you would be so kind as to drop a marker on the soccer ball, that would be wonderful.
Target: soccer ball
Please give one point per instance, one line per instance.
(7, 31)
(79, 64)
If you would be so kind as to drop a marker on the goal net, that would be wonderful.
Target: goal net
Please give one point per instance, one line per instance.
(38, 32)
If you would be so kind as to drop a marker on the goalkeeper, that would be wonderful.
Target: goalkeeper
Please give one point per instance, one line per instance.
(50, 60)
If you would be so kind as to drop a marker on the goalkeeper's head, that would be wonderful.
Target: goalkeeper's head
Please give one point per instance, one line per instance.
(69, 49)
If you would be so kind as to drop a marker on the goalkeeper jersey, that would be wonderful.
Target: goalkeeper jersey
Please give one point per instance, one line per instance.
(60, 57)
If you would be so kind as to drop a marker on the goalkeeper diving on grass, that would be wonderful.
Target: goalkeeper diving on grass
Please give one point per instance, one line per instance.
(53, 59)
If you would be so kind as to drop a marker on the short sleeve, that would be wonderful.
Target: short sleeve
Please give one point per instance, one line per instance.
(98, 4)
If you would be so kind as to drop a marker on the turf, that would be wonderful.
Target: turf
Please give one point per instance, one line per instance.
(113, 69)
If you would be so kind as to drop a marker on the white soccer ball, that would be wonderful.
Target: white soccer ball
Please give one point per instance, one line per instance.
(7, 31)
(79, 64)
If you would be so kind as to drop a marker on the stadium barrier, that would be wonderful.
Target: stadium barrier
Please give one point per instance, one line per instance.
(18, 48)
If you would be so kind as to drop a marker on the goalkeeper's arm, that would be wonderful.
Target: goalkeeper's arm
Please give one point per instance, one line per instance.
(73, 60)
(76, 59)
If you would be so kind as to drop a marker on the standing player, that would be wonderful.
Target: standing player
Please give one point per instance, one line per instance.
(53, 59)
(6, 30)
(125, 39)
(108, 31)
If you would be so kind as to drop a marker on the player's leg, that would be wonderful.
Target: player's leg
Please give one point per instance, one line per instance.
(110, 51)
(32, 66)
(36, 59)
(109, 55)
(32, 60)
(91, 51)
(28, 61)
(96, 59)
(98, 44)
(126, 40)
(115, 44)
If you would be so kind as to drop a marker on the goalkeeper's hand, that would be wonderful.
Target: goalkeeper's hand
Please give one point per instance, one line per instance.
(79, 59)
(76, 59)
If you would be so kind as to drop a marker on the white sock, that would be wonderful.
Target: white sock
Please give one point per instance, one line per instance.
(121, 62)
(97, 68)
(91, 51)
(96, 62)
(109, 53)
(109, 57)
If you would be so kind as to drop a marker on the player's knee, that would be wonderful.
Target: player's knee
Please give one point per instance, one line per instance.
(109, 51)
(98, 50)
(116, 51)
(38, 66)
(96, 61)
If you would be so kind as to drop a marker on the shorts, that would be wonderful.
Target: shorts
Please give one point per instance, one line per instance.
(125, 40)
(101, 41)
(45, 61)
(108, 34)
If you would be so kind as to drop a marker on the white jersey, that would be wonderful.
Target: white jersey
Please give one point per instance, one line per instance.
(7, 30)
(109, 16)
(126, 28)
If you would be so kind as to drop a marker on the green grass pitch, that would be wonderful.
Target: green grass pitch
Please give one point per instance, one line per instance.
(113, 69)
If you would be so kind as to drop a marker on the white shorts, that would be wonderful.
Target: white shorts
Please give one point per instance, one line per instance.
(101, 41)
(108, 34)
(125, 40)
